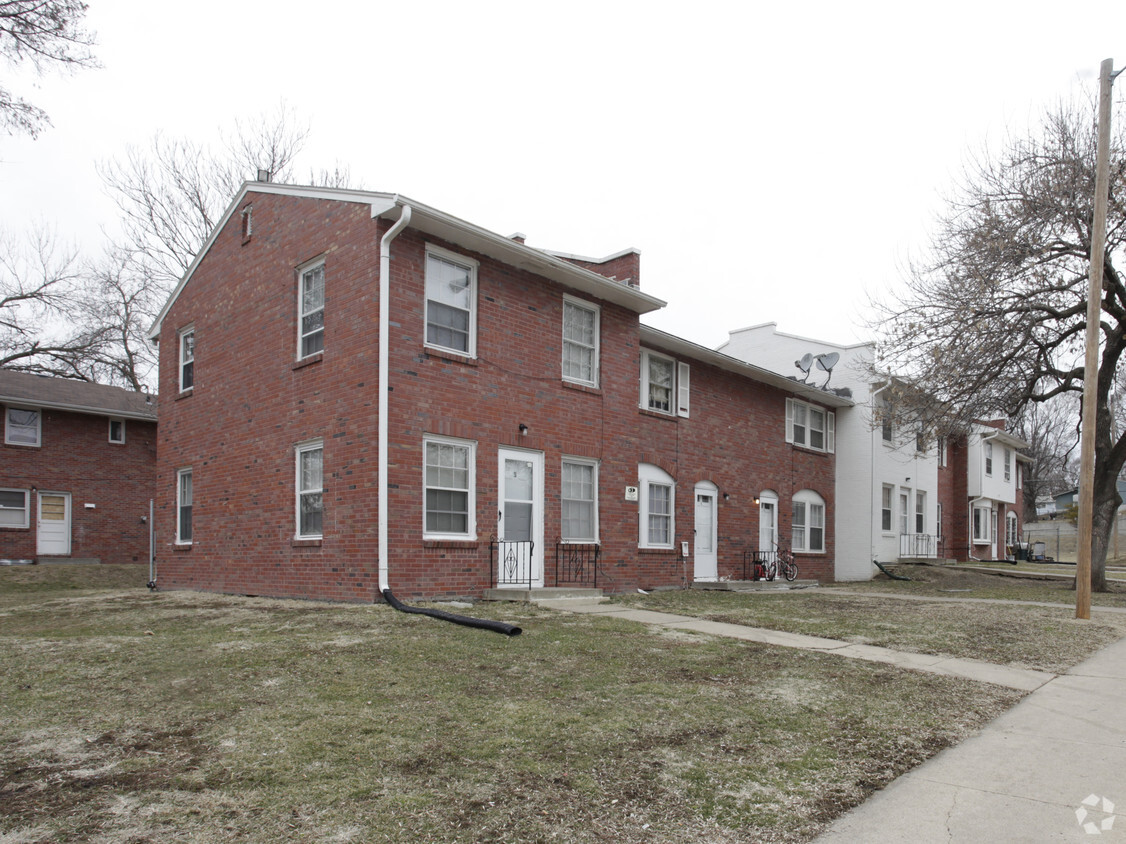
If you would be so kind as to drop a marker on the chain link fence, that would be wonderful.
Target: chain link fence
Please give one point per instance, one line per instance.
(1059, 539)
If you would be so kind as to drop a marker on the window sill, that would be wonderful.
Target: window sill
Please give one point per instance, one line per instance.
(581, 388)
(184, 394)
(24, 445)
(309, 361)
(305, 543)
(641, 550)
(181, 546)
(449, 356)
(809, 553)
(657, 414)
(455, 544)
(808, 449)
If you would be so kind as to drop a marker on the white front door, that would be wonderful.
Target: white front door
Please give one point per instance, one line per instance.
(520, 520)
(704, 550)
(54, 524)
(767, 525)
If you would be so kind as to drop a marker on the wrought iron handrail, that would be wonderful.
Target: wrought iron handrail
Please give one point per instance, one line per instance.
(576, 563)
(511, 562)
(918, 545)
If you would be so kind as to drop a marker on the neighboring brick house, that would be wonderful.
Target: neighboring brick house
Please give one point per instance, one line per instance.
(77, 470)
(531, 420)
(902, 495)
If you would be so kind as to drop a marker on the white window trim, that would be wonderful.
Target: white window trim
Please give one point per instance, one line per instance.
(180, 362)
(109, 426)
(986, 524)
(938, 520)
(828, 432)
(179, 489)
(582, 461)
(920, 512)
(887, 491)
(1008, 464)
(301, 272)
(38, 426)
(1011, 528)
(473, 267)
(596, 351)
(810, 498)
(299, 450)
(471, 504)
(679, 392)
(648, 475)
(987, 459)
(26, 509)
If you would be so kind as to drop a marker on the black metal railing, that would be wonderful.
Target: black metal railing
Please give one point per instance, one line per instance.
(576, 564)
(918, 546)
(512, 563)
(758, 564)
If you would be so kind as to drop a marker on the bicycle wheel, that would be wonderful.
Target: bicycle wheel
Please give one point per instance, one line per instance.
(771, 570)
(789, 570)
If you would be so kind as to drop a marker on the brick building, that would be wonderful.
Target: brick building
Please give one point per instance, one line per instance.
(77, 470)
(536, 433)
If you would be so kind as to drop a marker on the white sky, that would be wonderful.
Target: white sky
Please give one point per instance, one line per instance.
(771, 164)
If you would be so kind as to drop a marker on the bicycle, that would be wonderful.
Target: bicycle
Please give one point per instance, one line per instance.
(765, 569)
(786, 564)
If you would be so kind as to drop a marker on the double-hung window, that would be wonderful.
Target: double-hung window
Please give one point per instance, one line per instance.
(580, 342)
(312, 305)
(451, 301)
(981, 525)
(13, 508)
(23, 426)
(1008, 464)
(657, 523)
(117, 431)
(886, 496)
(580, 500)
(448, 489)
(664, 384)
(808, 524)
(187, 359)
(310, 490)
(920, 512)
(810, 426)
(989, 459)
(184, 507)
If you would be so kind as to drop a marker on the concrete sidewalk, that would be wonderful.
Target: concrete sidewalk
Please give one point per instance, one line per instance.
(1052, 768)
(1024, 778)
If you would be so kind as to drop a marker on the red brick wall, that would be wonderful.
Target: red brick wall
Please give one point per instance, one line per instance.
(76, 457)
(251, 404)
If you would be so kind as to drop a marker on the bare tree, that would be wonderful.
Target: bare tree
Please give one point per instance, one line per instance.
(994, 319)
(39, 282)
(1051, 431)
(44, 34)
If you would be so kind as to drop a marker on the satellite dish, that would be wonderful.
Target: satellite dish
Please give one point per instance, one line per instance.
(804, 364)
(826, 362)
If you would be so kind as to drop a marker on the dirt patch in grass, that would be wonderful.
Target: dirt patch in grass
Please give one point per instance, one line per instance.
(131, 717)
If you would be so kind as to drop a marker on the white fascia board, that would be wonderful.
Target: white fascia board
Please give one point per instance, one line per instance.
(1003, 437)
(685, 348)
(439, 224)
(78, 408)
(773, 325)
(567, 256)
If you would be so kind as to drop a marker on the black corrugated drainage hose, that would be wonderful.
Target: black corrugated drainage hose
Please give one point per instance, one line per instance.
(891, 574)
(464, 620)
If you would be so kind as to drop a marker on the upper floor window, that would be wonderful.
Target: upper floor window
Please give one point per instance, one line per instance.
(117, 431)
(885, 418)
(310, 490)
(13, 508)
(921, 441)
(184, 507)
(809, 522)
(580, 500)
(657, 520)
(312, 333)
(451, 301)
(1008, 464)
(580, 342)
(664, 384)
(810, 426)
(941, 452)
(187, 359)
(448, 489)
(23, 426)
(989, 459)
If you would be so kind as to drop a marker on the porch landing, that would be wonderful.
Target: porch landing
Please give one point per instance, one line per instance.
(548, 593)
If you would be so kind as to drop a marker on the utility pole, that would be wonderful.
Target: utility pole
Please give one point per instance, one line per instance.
(1091, 363)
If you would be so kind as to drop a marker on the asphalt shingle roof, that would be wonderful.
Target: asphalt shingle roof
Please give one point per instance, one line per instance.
(77, 396)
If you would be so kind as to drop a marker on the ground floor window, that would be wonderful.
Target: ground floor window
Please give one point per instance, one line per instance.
(184, 506)
(580, 500)
(981, 525)
(448, 480)
(310, 490)
(13, 508)
(657, 520)
(809, 522)
(1011, 534)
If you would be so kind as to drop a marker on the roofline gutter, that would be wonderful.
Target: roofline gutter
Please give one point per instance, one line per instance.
(90, 410)
(384, 386)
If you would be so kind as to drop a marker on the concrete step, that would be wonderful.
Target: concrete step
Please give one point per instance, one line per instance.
(543, 593)
(779, 585)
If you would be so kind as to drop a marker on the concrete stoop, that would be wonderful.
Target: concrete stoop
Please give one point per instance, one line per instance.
(754, 585)
(545, 593)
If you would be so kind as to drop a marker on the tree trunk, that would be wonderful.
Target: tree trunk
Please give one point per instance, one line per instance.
(1102, 523)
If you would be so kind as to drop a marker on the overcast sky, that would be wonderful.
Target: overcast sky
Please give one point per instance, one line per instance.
(772, 162)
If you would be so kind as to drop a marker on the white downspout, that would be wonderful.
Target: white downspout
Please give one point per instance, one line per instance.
(384, 386)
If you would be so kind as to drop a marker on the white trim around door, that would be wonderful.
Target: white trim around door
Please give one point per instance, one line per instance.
(520, 518)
